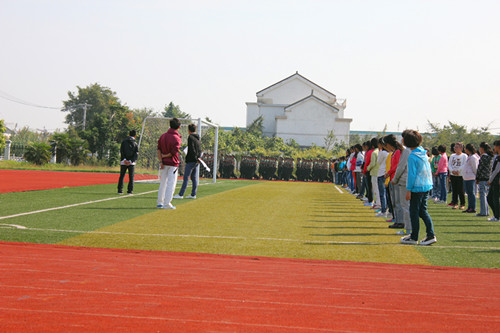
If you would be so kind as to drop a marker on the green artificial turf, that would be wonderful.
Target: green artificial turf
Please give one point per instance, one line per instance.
(275, 219)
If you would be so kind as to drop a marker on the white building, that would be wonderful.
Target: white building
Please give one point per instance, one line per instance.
(297, 108)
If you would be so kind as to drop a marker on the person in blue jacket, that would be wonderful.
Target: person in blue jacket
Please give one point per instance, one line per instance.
(418, 185)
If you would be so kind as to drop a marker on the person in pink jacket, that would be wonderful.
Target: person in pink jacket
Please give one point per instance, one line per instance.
(442, 171)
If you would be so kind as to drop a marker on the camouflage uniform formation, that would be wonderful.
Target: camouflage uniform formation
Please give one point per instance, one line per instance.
(248, 167)
(271, 168)
(227, 166)
(304, 170)
(320, 171)
(268, 167)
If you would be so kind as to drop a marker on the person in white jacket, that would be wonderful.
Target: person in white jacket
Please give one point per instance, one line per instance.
(456, 164)
(469, 174)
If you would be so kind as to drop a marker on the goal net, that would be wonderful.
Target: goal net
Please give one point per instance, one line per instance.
(147, 166)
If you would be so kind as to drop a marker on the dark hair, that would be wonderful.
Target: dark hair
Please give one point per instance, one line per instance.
(192, 128)
(434, 150)
(132, 133)
(374, 143)
(175, 123)
(452, 147)
(487, 148)
(442, 149)
(497, 143)
(470, 147)
(391, 141)
(405, 132)
(413, 139)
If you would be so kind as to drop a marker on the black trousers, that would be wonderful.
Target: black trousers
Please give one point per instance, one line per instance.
(369, 190)
(494, 198)
(457, 188)
(123, 170)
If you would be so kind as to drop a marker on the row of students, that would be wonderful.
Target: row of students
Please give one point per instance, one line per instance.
(468, 172)
(397, 181)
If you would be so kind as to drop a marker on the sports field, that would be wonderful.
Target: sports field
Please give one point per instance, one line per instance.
(304, 224)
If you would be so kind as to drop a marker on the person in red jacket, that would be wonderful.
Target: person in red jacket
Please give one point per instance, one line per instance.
(168, 154)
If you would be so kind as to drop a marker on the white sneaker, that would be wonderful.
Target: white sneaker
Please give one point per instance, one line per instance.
(408, 240)
(178, 197)
(191, 197)
(403, 232)
(493, 219)
(381, 214)
(428, 241)
(169, 206)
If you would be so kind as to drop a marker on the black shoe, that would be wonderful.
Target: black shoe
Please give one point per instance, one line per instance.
(397, 226)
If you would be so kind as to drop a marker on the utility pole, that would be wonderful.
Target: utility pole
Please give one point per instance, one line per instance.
(85, 105)
(82, 105)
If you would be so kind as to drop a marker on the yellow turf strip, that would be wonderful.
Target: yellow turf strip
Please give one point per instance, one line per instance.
(274, 219)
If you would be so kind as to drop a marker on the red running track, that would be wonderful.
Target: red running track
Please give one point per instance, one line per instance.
(59, 289)
(29, 180)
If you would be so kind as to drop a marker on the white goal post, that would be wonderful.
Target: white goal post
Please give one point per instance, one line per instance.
(154, 127)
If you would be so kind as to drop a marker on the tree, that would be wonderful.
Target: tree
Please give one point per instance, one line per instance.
(107, 120)
(256, 128)
(69, 147)
(25, 136)
(174, 111)
(330, 140)
(38, 153)
(2, 137)
(456, 133)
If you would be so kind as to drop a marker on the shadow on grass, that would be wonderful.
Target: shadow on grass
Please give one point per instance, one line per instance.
(471, 233)
(356, 227)
(349, 234)
(476, 241)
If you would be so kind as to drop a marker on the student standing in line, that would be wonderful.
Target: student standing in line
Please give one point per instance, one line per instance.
(494, 183)
(442, 171)
(358, 169)
(399, 184)
(418, 185)
(395, 148)
(456, 165)
(388, 194)
(368, 178)
(483, 175)
(435, 177)
(373, 170)
(381, 161)
(469, 174)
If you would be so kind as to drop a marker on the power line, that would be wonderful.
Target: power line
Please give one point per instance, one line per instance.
(11, 98)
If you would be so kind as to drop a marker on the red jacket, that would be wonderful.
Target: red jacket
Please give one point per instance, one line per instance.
(368, 159)
(170, 142)
(394, 163)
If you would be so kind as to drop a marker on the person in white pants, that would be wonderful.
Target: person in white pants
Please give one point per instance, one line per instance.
(168, 180)
(168, 155)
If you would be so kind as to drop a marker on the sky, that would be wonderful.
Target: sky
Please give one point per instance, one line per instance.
(399, 63)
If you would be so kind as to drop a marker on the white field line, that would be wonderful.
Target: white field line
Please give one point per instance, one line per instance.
(81, 204)
(250, 238)
(338, 189)
(72, 205)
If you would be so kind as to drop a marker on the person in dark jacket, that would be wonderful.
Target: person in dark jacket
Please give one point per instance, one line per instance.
(192, 164)
(128, 156)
